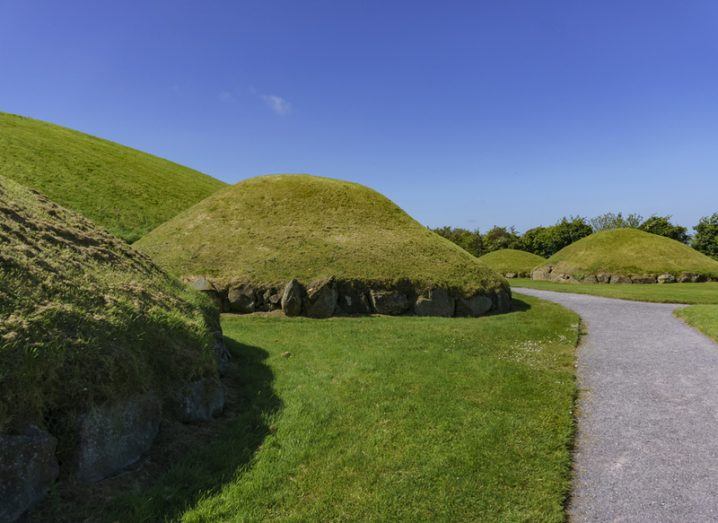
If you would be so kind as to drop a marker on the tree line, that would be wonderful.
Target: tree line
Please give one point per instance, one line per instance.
(545, 241)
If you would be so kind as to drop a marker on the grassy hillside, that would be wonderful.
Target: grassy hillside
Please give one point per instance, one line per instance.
(630, 252)
(126, 191)
(85, 318)
(384, 419)
(673, 293)
(273, 228)
(505, 261)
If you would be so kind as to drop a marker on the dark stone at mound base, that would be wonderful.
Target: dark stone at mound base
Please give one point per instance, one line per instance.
(589, 279)
(353, 298)
(390, 302)
(271, 299)
(321, 300)
(542, 273)
(198, 401)
(473, 307)
(205, 286)
(666, 278)
(28, 469)
(242, 299)
(221, 353)
(113, 436)
(436, 302)
(502, 300)
(617, 278)
(293, 298)
(643, 279)
(603, 277)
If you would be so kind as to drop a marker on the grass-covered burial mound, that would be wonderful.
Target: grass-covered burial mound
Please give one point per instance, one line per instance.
(512, 263)
(126, 191)
(318, 246)
(627, 256)
(96, 344)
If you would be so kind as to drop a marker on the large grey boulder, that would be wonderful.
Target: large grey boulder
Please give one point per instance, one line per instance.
(203, 285)
(221, 353)
(435, 302)
(502, 300)
(643, 278)
(28, 468)
(617, 278)
(198, 401)
(353, 297)
(271, 299)
(390, 302)
(666, 278)
(542, 273)
(589, 278)
(113, 436)
(242, 299)
(474, 306)
(293, 298)
(603, 277)
(321, 301)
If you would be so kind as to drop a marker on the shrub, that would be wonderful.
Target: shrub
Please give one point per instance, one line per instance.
(706, 237)
(501, 238)
(662, 226)
(470, 241)
(546, 241)
(609, 221)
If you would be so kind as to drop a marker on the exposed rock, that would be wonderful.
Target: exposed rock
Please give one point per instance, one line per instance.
(353, 297)
(666, 278)
(510, 275)
(293, 298)
(603, 277)
(271, 299)
(589, 279)
(113, 436)
(390, 302)
(643, 279)
(221, 353)
(436, 302)
(202, 284)
(474, 306)
(502, 300)
(321, 298)
(28, 468)
(242, 299)
(617, 278)
(562, 278)
(198, 401)
(542, 273)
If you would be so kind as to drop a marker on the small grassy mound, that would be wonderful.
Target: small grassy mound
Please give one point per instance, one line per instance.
(270, 229)
(384, 419)
(84, 318)
(629, 252)
(512, 262)
(124, 190)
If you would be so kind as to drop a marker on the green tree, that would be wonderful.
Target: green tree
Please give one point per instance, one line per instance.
(662, 226)
(546, 241)
(501, 238)
(470, 241)
(611, 220)
(705, 239)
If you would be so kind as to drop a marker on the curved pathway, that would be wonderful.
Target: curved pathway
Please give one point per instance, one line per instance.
(647, 446)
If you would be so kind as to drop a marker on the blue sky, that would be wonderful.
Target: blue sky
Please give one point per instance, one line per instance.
(464, 113)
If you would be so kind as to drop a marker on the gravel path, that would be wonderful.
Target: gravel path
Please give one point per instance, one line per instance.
(647, 446)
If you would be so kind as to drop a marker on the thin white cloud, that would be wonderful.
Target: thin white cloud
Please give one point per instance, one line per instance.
(226, 97)
(277, 104)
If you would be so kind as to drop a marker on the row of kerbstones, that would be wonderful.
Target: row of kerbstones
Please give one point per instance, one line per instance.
(548, 274)
(109, 438)
(329, 296)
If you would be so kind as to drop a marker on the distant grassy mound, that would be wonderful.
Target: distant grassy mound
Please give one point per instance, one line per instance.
(124, 190)
(512, 263)
(625, 256)
(84, 318)
(271, 229)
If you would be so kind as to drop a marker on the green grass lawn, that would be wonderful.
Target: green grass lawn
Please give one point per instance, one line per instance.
(381, 418)
(691, 293)
(702, 317)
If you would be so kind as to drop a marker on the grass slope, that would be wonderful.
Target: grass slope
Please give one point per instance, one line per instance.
(385, 419)
(85, 318)
(702, 317)
(670, 293)
(126, 191)
(630, 252)
(270, 229)
(505, 261)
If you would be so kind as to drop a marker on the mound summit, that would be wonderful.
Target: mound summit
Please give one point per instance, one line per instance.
(124, 190)
(512, 263)
(627, 256)
(96, 342)
(317, 246)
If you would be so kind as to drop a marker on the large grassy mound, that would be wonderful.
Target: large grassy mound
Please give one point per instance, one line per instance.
(270, 229)
(127, 191)
(511, 262)
(84, 318)
(628, 253)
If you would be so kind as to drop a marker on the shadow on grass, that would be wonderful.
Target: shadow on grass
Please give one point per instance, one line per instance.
(518, 305)
(223, 455)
